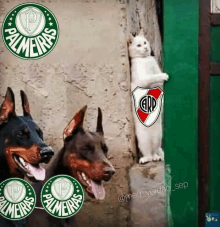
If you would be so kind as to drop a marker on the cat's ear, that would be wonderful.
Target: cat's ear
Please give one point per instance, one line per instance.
(130, 39)
(141, 32)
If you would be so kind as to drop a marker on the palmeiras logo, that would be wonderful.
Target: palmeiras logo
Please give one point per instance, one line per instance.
(17, 199)
(147, 104)
(62, 196)
(30, 31)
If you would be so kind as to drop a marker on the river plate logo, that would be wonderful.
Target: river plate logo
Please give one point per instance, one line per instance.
(30, 31)
(62, 196)
(17, 199)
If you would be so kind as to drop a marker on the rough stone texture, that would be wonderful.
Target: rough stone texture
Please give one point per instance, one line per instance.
(142, 14)
(90, 66)
(147, 195)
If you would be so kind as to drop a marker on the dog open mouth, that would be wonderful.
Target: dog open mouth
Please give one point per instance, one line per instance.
(31, 170)
(94, 188)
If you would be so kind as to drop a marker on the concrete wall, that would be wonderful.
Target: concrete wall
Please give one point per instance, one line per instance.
(143, 14)
(90, 66)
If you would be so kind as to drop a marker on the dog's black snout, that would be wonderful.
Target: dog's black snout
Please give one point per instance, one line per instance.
(46, 154)
(109, 171)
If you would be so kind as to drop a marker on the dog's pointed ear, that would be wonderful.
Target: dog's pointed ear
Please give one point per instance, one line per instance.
(141, 32)
(25, 104)
(8, 106)
(130, 38)
(99, 127)
(75, 123)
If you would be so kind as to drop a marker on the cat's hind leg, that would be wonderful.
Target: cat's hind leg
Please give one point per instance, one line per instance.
(158, 156)
(146, 150)
(145, 159)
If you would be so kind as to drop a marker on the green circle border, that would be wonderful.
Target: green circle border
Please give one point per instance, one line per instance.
(35, 198)
(58, 31)
(71, 179)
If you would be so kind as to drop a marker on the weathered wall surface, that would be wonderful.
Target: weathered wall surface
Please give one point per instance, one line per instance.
(89, 66)
(143, 14)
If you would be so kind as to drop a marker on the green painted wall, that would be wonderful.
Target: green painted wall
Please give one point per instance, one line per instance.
(215, 144)
(215, 44)
(181, 28)
(215, 125)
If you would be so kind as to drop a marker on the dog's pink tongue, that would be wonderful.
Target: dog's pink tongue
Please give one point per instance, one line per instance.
(98, 190)
(37, 172)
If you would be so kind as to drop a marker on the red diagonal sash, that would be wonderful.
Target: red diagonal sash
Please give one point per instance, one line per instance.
(156, 92)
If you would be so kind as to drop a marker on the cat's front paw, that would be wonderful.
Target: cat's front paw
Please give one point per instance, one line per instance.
(145, 159)
(165, 76)
(157, 158)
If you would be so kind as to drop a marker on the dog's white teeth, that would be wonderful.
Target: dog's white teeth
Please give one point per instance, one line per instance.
(22, 160)
(87, 182)
(84, 176)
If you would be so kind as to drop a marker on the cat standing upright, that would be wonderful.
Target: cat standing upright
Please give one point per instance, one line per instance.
(146, 73)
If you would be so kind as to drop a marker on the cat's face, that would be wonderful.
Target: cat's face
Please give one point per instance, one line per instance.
(139, 47)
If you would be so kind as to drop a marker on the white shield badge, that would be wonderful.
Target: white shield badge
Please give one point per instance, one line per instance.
(14, 191)
(147, 104)
(62, 187)
(30, 19)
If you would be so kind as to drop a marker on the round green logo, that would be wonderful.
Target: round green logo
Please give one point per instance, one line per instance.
(62, 196)
(30, 31)
(17, 199)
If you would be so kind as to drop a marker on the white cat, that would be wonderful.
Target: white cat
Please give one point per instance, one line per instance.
(146, 73)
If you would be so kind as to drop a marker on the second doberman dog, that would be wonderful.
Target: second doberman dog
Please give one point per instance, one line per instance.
(83, 156)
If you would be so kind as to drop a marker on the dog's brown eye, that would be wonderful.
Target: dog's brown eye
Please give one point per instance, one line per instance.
(88, 148)
(26, 130)
(21, 134)
(144, 42)
(139, 45)
(105, 148)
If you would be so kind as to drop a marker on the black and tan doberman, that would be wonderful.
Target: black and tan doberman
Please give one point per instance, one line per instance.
(84, 157)
(22, 147)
